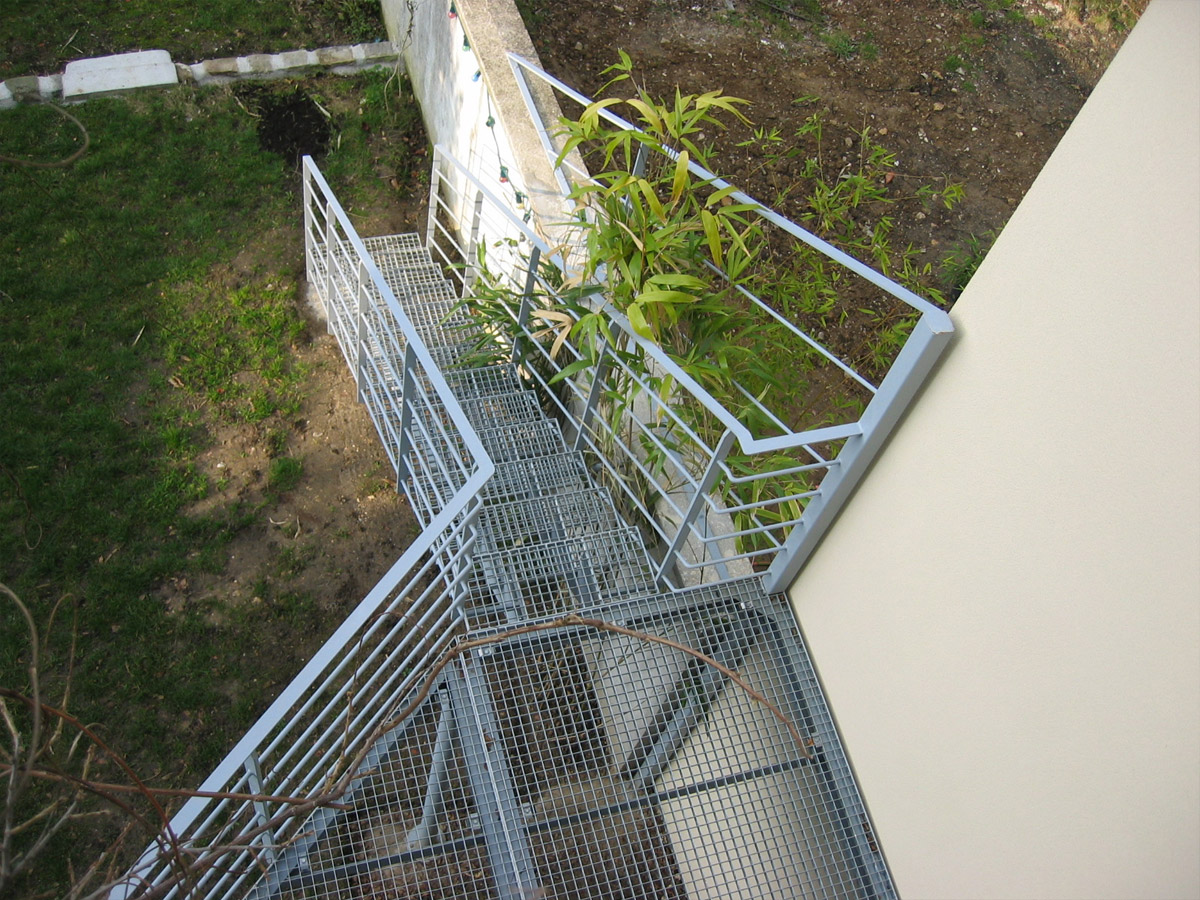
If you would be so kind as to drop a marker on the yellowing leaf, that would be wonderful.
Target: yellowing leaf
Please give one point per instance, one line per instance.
(637, 321)
(649, 116)
(681, 174)
(713, 233)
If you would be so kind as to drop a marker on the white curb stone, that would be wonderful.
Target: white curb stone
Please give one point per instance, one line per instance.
(153, 68)
(50, 86)
(122, 72)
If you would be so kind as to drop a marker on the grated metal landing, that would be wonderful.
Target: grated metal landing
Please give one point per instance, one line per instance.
(603, 738)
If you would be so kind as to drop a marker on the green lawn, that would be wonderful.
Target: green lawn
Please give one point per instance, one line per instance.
(41, 36)
(119, 347)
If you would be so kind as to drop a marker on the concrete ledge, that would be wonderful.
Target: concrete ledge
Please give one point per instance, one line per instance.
(123, 72)
(341, 60)
(153, 68)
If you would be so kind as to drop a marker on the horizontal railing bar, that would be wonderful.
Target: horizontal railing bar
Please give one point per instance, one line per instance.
(799, 332)
(763, 504)
(802, 234)
(769, 474)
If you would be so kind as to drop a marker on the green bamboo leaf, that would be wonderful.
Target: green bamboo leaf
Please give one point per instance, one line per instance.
(661, 296)
(637, 321)
(590, 118)
(567, 371)
(651, 199)
(681, 175)
(713, 232)
(717, 196)
(677, 279)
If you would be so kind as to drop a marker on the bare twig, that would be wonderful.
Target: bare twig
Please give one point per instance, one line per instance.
(59, 163)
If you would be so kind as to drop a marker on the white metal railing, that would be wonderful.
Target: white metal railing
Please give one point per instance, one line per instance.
(718, 494)
(319, 730)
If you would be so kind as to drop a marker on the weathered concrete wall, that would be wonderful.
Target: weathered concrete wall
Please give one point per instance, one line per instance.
(1007, 615)
(463, 80)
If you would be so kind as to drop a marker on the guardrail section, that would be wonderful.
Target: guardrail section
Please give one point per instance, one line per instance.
(270, 800)
(722, 489)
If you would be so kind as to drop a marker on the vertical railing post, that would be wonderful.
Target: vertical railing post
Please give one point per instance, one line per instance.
(696, 506)
(360, 365)
(593, 399)
(404, 471)
(435, 177)
(331, 308)
(262, 812)
(526, 308)
(471, 270)
(307, 194)
(639, 161)
(906, 375)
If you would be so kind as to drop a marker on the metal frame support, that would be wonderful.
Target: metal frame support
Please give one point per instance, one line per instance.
(910, 369)
(426, 830)
(408, 387)
(599, 373)
(262, 812)
(699, 498)
(513, 869)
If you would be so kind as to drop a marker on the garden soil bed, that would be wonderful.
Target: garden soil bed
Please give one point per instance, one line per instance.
(976, 92)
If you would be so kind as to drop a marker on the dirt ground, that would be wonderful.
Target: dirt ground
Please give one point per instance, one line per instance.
(312, 552)
(1021, 72)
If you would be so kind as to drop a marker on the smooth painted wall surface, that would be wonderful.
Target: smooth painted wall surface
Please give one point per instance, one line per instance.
(1007, 614)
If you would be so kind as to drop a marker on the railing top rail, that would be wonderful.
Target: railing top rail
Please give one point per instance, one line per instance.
(746, 440)
(412, 338)
(937, 319)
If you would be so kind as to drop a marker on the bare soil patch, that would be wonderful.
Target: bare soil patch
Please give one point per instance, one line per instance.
(302, 552)
(976, 92)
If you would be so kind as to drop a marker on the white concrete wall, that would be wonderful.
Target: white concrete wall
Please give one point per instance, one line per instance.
(461, 88)
(1007, 614)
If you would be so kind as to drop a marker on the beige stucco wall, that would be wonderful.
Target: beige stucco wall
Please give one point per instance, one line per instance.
(1007, 615)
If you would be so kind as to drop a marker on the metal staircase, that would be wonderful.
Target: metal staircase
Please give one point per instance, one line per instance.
(526, 706)
(564, 760)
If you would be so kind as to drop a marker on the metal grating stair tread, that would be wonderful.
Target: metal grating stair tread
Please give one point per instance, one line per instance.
(577, 747)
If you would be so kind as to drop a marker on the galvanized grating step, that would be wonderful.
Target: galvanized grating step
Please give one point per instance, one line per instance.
(482, 382)
(522, 440)
(556, 516)
(397, 250)
(536, 580)
(488, 411)
(534, 477)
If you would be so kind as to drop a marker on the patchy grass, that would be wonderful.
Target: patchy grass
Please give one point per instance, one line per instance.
(41, 36)
(123, 340)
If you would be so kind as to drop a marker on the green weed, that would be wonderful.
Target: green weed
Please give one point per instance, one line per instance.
(121, 337)
(284, 474)
(959, 265)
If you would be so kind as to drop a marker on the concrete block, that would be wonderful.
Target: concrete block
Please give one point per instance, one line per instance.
(295, 59)
(6, 96)
(259, 63)
(185, 73)
(122, 72)
(380, 50)
(335, 56)
(226, 66)
(24, 89)
(50, 86)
